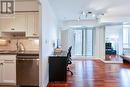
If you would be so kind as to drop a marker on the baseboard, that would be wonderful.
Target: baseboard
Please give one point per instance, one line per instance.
(45, 83)
(83, 57)
(114, 62)
(93, 58)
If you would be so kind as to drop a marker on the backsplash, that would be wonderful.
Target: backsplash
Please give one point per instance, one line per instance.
(29, 44)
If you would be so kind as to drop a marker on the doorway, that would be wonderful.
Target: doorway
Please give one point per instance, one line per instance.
(113, 43)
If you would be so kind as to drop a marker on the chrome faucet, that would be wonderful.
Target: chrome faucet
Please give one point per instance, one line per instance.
(20, 46)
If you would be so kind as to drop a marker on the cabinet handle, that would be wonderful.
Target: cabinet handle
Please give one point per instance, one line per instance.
(9, 61)
(34, 34)
(27, 59)
(12, 29)
(1, 63)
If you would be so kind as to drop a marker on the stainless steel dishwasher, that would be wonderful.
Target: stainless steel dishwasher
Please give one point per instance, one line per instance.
(27, 70)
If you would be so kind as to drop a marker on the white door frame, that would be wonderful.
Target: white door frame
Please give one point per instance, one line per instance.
(40, 42)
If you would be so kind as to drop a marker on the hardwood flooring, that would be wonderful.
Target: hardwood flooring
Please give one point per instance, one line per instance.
(95, 73)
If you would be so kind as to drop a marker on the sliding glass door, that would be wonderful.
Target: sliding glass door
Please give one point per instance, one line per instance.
(83, 42)
(89, 42)
(78, 42)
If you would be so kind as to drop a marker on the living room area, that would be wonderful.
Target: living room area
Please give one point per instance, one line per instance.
(93, 28)
(83, 41)
(117, 42)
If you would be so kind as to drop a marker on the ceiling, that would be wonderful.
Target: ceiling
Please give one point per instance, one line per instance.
(71, 9)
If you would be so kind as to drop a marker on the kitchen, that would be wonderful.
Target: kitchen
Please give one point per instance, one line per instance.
(19, 45)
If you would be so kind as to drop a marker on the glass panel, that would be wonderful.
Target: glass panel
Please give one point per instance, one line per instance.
(78, 42)
(125, 37)
(89, 42)
(83, 42)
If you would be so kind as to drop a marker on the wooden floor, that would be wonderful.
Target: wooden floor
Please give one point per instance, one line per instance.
(94, 73)
(6, 86)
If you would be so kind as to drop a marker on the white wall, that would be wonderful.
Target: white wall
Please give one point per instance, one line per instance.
(66, 39)
(99, 42)
(48, 36)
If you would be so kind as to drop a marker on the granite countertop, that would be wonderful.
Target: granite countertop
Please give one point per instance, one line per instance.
(9, 52)
(32, 53)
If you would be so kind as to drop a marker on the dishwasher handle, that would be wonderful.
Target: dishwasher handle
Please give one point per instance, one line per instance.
(9, 61)
(23, 59)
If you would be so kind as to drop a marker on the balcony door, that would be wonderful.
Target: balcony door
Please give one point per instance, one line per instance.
(83, 42)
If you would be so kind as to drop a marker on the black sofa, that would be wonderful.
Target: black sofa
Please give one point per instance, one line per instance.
(126, 58)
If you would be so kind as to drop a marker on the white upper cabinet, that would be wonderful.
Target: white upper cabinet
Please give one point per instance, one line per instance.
(33, 25)
(6, 24)
(37, 24)
(16, 23)
(22, 22)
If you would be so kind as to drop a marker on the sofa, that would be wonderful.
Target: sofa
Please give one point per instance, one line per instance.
(126, 58)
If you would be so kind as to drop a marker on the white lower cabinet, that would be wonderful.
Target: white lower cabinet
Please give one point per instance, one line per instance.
(8, 69)
(1, 69)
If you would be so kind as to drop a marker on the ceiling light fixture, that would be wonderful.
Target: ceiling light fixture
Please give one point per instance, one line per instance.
(89, 15)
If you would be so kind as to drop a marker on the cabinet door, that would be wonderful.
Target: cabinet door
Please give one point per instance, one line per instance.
(37, 25)
(57, 68)
(20, 22)
(6, 24)
(9, 71)
(13, 24)
(33, 25)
